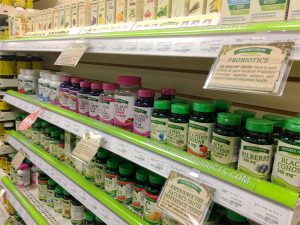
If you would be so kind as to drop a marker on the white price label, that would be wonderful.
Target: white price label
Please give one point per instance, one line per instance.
(139, 157)
(158, 165)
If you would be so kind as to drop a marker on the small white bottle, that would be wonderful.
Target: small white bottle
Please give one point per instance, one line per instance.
(23, 175)
(30, 82)
(46, 88)
(41, 85)
(54, 89)
(21, 79)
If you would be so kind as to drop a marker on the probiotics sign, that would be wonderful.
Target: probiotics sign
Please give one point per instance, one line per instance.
(254, 68)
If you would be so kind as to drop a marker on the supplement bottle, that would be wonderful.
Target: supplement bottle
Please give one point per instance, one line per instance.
(256, 148)
(124, 101)
(24, 175)
(30, 82)
(42, 190)
(66, 205)
(50, 192)
(46, 88)
(58, 197)
(201, 126)
(159, 120)
(64, 92)
(34, 175)
(47, 138)
(96, 90)
(151, 213)
(35, 134)
(7, 65)
(41, 84)
(232, 218)
(61, 147)
(100, 166)
(83, 98)
(73, 91)
(226, 140)
(88, 218)
(167, 94)
(21, 79)
(89, 170)
(36, 61)
(107, 103)
(53, 144)
(285, 169)
(77, 212)
(141, 178)
(125, 183)
(111, 173)
(22, 62)
(54, 89)
(143, 108)
(178, 126)
(245, 114)
(45, 125)
(221, 105)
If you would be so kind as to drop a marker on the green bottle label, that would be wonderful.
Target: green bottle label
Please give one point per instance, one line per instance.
(177, 135)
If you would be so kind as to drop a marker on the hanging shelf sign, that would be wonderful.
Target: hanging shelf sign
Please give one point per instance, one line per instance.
(252, 68)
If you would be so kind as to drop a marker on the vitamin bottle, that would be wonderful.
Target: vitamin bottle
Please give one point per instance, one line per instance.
(34, 175)
(226, 140)
(30, 82)
(61, 147)
(22, 62)
(232, 218)
(46, 87)
(159, 120)
(24, 175)
(54, 89)
(221, 105)
(77, 212)
(73, 91)
(96, 89)
(285, 169)
(35, 135)
(42, 187)
(152, 214)
(245, 114)
(7, 61)
(53, 144)
(21, 78)
(143, 108)
(201, 126)
(66, 205)
(100, 166)
(167, 94)
(89, 170)
(64, 92)
(47, 138)
(111, 173)
(141, 178)
(58, 197)
(83, 98)
(89, 218)
(256, 148)
(50, 192)
(124, 101)
(45, 124)
(107, 103)
(125, 183)
(41, 85)
(178, 126)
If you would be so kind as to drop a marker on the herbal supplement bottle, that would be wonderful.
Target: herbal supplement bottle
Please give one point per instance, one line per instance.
(50, 192)
(41, 85)
(45, 125)
(141, 178)
(66, 205)
(89, 218)
(35, 134)
(64, 92)
(54, 89)
(96, 89)
(201, 126)
(221, 105)
(178, 126)
(7, 61)
(124, 101)
(21, 78)
(286, 171)
(125, 183)
(72, 94)
(89, 170)
(34, 175)
(61, 147)
(100, 166)
(42, 184)
(77, 212)
(46, 88)
(107, 103)
(245, 114)
(232, 218)
(143, 108)
(83, 98)
(256, 148)
(47, 138)
(226, 140)
(24, 175)
(167, 94)
(159, 120)
(111, 173)
(53, 144)
(30, 82)
(151, 213)
(58, 197)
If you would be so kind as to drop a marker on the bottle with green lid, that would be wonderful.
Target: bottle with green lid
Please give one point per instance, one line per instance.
(125, 183)
(89, 170)
(50, 192)
(178, 126)
(221, 105)
(66, 205)
(178, 100)
(45, 124)
(77, 212)
(99, 221)
(35, 136)
(151, 213)
(232, 218)
(141, 178)
(245, 114)
(47, 138)
(42, 187)
(89, 218)
(226, 140)
(53, 143)
(61, 147)
(201, 126)
(286, 170)
(58, 197)
(100, 166)
(111, 173)
(256, 148)
(159, 120)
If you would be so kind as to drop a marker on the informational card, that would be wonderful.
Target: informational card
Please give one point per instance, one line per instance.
(185, 200)
(252, 68)
(29, 120)
(18, 159)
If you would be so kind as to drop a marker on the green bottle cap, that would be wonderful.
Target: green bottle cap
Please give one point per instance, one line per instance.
(221, 104)
(203, 107)
(259, 125)
(113, 162)
(51, 182)
(45, 124)
(162, 104)
(277, 120)
(180, 108)
(126, 169)
(234, 216)
(88, 216)
(245, 114)
(292, 124)
(58, 190)
(177, 100)
(103, 153)
(141, 175)
(55, 134)
(230, 119)
(66, 193)
(156, 179)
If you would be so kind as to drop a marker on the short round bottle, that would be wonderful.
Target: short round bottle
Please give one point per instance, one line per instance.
(141, 179)
(100, 165)
(72, 94)
(96, 90)
(50, 192)
(42, 187)
(53, 144)
(125, 183)
(58, 198)
(64, 92)
(111, 173)
(167, 94)
(77, 212)
(66, 204)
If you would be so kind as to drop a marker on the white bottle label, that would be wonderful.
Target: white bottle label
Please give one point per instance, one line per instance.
(107, 110)
(124, 111)
(40, 90)
(64, 98)
(177, 135)
(93, 107)
(159, 129)
(73, 101)
(46, 92)
(110, 184)
(58, 205)
(142, 121)
(83, 103)
(77, 212)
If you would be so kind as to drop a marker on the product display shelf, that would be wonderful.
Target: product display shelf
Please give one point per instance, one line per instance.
(203, 41)
(257, 200)
(101, 204)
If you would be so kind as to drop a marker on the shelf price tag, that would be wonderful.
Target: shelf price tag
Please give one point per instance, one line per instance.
(185, 200)
(252, 68)
(18, 159)
(29, 120)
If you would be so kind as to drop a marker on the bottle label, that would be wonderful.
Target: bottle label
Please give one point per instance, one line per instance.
(200, 138)
(77, 213)
(72, 101)
(124, 192)
(107, 110)
(94, 107)
(177, 135)
(255, 159)
(142, 121)
(286, 167)
(64, 98)
(58, 205)
(110, 184)
(46, 92)
(159, 129)
(138, 198)
(89, 170)
(50, 198)
(99, 174)
(152, 213)
(35, 136)
(124, 112)
(40, 90)
(66, 208)
(29, 87)
(225, 150)
(42, 192)
(54, 95)
(83, 104)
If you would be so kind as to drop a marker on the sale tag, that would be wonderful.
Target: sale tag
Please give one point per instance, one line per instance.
(18, 160)
(29, 120)
(186, 201)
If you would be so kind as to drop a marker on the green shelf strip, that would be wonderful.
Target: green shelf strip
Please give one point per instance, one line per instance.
(38, 218)
(260, 187)
(94, 191)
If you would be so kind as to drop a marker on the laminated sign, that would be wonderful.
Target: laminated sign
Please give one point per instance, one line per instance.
(252, 68)
(186, 201)
(71, 55)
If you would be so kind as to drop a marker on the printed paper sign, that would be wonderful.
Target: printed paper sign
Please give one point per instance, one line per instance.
(29, 120)
(254, 68)
(185, 200)
(18, 159)
(72, 54)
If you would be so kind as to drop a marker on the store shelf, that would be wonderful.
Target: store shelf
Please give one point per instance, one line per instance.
(258, 200)
(205, 41)
(101, 204)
